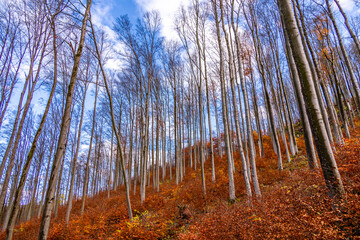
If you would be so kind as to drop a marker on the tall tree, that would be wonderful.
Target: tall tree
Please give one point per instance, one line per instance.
(54, 11)
(224, 103)
(65, 122)
(326, 156)
(122, 161)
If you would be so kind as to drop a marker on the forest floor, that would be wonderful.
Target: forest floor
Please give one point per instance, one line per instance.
(294, 205)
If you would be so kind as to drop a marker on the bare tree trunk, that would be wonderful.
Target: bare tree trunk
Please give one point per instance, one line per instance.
(270, 115)
(13, 190)
(315, 79)
(122, 164)
(157, 162)
(170, 159)
(200, 104)
(219, 142)
(175, 133)
(45, 179)
(58, 187)
(13, 133)
(136, 162)
(74, 161)
(257, 117)
(224, 105)
(16, 202)
(213, 177)
(201, 144)
(163, 139)
(87, 167)
(45, 221)
(145, 145)
(181, 168)
(258, 54)
(131, 136)
(111, 160)
(352, 34)
(23, 117)
(245, 167)
(278, 113)
(309, 145)
(345, 55)
(327, 160)
(333, 117)
(152, 169)
(338, 96)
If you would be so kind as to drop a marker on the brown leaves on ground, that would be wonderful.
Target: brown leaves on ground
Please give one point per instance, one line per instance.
(294, 205)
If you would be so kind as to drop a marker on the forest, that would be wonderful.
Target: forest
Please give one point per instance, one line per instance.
(244, 125)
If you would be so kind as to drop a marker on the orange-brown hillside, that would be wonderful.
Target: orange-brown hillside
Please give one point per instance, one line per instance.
(294, 205)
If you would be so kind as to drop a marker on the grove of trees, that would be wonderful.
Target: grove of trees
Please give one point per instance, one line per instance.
(72, 126)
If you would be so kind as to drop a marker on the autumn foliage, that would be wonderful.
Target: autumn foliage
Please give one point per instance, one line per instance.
(294, 205)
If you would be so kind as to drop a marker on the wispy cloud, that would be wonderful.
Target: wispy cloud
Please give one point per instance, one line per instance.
(103, 19)
(167, 10)
(347, 5)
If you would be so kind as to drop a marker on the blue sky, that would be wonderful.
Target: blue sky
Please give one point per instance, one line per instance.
(104, 13)
(110, 9)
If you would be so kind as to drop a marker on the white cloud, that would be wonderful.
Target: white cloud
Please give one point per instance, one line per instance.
(101, 12)
(167, 10)
(347, 5)
(102, 19)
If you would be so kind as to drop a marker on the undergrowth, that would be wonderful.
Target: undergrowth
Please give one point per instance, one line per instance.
(294, 205)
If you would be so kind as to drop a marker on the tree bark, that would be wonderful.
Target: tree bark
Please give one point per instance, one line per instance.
(16, 202)
(309, 145)
(122, 163)
(345, 55)
(327, 160)
(45, 221)
(352, 34)
(224, 106)
(74, 162)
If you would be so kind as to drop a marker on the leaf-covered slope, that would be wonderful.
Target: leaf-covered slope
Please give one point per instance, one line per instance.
(294, 205)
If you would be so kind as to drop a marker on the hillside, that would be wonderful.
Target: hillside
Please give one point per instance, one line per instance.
(206, 119)
(294, 205)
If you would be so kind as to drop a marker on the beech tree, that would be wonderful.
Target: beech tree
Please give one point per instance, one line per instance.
(326, 156)
(87, 112)
(224, 105)
(46, 216)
